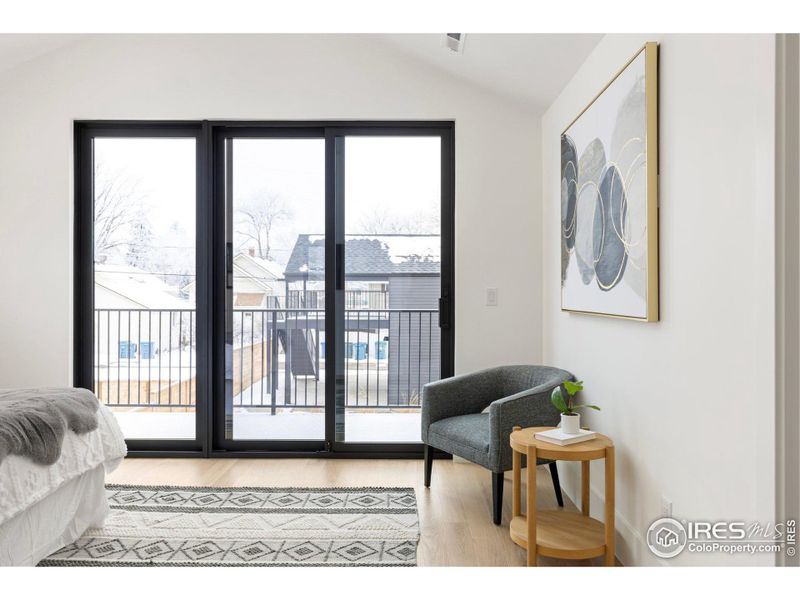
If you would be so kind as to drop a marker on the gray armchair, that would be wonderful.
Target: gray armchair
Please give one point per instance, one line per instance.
(453, 419)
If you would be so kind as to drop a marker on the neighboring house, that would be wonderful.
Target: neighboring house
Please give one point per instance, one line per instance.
(256, 281)
(124, 286)
(405, 266)
(132, 308)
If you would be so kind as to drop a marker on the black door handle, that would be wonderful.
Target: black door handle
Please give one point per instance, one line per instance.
(339, 266)
(229, 265)
(444, 313)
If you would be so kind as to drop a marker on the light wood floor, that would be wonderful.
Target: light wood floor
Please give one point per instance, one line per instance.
(455, 513)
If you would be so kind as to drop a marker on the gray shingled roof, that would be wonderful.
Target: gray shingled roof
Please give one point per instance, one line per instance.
(366, 255)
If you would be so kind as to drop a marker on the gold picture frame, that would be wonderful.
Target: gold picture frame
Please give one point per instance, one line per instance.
(609, 241)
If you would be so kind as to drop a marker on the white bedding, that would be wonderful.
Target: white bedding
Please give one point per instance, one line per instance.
(55, 521)
(77, 477)
(23, 483)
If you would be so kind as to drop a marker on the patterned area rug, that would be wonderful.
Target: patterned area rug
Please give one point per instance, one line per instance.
(250, 526)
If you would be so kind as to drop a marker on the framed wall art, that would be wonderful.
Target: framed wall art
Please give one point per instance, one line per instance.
(609, 197)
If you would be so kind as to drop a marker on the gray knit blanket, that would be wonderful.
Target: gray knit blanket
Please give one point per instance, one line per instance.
(33, 422)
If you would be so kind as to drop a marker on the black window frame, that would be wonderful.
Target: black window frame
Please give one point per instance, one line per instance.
(83, 338)
(210, 269)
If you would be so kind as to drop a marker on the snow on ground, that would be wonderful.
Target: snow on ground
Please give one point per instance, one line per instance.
(292, 424)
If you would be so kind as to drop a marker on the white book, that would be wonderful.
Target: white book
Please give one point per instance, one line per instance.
(558, 437)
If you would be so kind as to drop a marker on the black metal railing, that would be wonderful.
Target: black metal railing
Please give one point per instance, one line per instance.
(147, 357)
(353, 299)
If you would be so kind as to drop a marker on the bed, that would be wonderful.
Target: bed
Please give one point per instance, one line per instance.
(46, 506)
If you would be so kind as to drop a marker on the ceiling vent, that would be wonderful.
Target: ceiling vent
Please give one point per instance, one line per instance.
(455, 41)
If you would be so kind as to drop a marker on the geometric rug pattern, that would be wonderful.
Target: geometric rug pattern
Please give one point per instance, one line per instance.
(250, 526)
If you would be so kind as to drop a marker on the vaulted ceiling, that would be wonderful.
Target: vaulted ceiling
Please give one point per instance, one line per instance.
(18, 48)
(527, 68)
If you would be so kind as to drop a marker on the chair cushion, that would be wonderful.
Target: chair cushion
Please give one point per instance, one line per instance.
(466, 436)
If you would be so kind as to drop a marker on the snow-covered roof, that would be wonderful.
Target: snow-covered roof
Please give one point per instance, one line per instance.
(270, 268)
(141, 288)
(389, 254)
(257, 271)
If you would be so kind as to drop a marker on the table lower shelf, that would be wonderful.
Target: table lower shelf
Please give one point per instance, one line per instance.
(562, 534)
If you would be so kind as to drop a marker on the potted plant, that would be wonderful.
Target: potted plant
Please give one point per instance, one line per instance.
(570, 419)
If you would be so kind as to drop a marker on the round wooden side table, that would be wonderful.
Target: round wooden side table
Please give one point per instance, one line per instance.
(557, 533)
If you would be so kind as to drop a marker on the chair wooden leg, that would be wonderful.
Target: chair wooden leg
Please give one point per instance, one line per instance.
(428, 465)
(556, 483)
(497, 497)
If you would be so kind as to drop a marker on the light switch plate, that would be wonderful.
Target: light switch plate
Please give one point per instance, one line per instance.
(491, 296)
(666, 507)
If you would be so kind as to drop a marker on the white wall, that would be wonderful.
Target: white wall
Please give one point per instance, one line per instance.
(689, 401)
(257, 77)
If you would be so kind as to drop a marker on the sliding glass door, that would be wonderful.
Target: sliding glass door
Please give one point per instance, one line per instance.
(275, 286)
(264, 287)
(392, 283)
(138, 344)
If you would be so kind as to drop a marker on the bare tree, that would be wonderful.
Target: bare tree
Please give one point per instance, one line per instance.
(382, 221)
(256, 218)
(116, 210)
(140, 244)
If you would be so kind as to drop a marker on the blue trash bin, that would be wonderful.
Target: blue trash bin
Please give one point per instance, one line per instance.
(127, 349)
(361, 350)
(380, 350)
(322, 349)
(348, 349)
(148, 350)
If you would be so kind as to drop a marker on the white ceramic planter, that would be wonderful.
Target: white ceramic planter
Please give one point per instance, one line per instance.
(570, 423)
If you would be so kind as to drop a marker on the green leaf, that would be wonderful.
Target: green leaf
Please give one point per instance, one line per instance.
(557, 398)
(573, 387)
(587, 406)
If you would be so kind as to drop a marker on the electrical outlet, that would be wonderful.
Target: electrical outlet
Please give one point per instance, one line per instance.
(666, 507)
(491, 296)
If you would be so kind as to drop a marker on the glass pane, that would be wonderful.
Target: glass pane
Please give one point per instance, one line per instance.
(144, 273)
(275, 359)
(392, 284)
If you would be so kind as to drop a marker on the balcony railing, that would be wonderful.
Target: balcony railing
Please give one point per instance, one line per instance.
(353, 299)
(147, 358)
